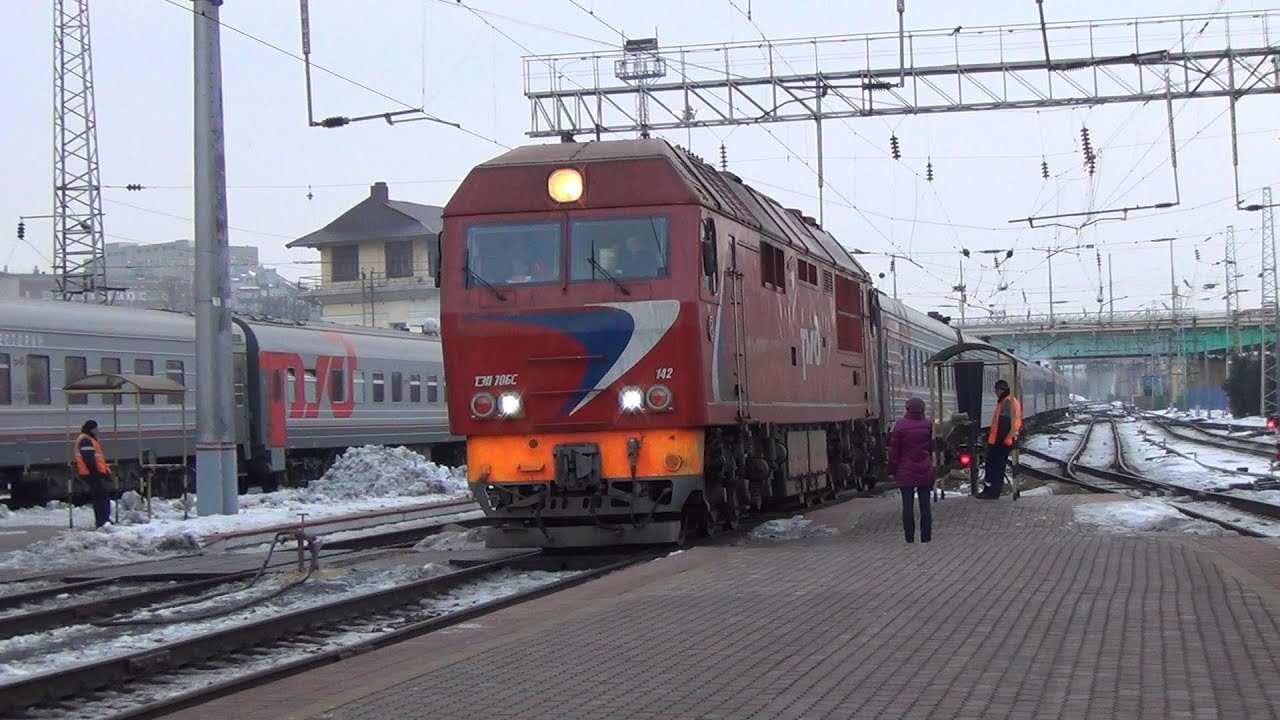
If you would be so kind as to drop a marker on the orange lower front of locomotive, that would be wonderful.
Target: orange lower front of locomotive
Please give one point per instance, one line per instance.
(586, 489)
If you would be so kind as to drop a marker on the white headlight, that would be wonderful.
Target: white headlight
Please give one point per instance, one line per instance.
(509, 404)
(631, 399)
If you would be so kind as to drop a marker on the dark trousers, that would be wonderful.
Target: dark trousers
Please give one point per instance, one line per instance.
(997, 459)
(909, 515)
(97, 483)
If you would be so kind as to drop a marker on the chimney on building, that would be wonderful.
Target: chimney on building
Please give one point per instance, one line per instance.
(378, 191)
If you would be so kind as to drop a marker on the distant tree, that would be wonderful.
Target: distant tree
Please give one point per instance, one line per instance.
(1242, 386)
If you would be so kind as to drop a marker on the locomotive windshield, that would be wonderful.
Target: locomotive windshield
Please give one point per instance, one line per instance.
(626, 248)
(513, 253)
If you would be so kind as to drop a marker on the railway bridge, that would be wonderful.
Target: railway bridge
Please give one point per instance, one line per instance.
(1148, 357)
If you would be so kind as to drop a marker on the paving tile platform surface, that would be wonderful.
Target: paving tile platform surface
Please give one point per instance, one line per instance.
(1011, 612)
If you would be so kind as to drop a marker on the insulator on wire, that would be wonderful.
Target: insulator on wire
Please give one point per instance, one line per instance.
(724, 158)
(1044, 169)
(894, 150)
(22, 230)
(928, 170)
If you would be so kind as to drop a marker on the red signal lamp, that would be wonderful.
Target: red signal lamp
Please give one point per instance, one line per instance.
(1271, 423)
(965, 459)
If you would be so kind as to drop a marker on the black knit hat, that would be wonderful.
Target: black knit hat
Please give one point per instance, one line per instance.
(89, 425)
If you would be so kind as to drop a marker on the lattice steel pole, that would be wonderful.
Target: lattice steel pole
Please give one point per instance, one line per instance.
(79, 261)
(1233, 302)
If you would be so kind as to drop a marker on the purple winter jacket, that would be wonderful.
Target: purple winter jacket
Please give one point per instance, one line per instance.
(910, 459)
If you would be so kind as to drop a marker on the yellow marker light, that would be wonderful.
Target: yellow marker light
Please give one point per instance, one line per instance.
(565, 185)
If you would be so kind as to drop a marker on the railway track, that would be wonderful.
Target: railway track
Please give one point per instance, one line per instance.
(1253, 517)
(1194, 433)
(215, 661)
(226, 657)
(58, 604)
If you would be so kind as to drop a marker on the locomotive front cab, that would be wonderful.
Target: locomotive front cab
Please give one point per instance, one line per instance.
(569, 297)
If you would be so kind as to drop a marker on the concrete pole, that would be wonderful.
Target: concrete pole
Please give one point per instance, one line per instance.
(216, 486)
(1050, 257)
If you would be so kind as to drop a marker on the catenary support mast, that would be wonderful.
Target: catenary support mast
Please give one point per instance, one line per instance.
(216, 485)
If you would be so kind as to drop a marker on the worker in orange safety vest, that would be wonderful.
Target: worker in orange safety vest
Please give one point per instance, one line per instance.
(1006, 424)
(92, 468)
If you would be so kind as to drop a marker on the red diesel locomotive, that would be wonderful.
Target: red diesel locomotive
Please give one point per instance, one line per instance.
(643, 348)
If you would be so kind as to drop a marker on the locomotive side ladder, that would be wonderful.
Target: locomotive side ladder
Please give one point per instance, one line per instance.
(740, 379)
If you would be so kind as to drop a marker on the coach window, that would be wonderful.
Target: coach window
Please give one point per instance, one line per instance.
(75, 368)
(397, 387)
(110, 366)
(359, 385)
(337, 386)
(512, 254)
(142, 366)
(379, 388)
(6, 383)
(309, 385)
(38, 380)
(433, 389)
(174, 371)
(626, 248)
(415, 388)
(291, 385)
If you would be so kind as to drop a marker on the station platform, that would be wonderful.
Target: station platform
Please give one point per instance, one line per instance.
(1013, 611)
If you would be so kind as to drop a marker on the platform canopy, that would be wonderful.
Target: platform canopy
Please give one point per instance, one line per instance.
(948, 353)
(125, 384)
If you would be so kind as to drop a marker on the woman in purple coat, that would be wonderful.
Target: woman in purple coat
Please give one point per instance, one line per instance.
(911, 467)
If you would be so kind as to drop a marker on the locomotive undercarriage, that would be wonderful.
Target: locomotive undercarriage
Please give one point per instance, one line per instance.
(747, 467)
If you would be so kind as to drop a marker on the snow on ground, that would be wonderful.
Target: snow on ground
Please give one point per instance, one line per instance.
(1145, 515)
(364, 479)
(792, 528)
(472, 539)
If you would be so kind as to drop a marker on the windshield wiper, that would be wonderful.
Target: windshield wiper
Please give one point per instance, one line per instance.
(592, 262)
(487, 284)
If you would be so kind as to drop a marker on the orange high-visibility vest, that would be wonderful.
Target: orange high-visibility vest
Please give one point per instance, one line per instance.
(1015, 421)
(99, 459)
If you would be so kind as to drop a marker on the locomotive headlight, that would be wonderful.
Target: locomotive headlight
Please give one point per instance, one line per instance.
(509, 404)
(631, 399)
(565, 185)
(482, 405)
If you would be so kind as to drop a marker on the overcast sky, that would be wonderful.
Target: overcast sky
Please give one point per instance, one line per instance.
(287, 179)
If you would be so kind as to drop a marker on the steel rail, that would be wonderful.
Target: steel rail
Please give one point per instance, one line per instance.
(54, 685)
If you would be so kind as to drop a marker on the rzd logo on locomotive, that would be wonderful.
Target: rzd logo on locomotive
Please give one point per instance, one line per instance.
(810, 348)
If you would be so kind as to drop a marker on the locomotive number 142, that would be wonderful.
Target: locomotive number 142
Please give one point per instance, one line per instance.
(665, 373)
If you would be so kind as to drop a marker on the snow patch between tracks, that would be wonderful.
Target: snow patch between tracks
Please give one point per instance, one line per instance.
(1143, 516)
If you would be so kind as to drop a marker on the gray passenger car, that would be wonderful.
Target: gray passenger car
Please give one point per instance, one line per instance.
(303, 393)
